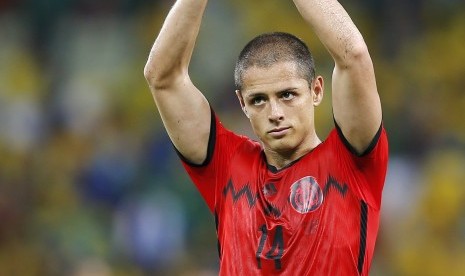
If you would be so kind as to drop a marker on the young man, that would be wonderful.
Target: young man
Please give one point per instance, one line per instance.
(291, 204)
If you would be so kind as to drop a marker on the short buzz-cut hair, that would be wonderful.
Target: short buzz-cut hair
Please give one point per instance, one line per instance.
(269, 48)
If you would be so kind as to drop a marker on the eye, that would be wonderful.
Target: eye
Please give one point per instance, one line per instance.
(257, 100)
(288, 95)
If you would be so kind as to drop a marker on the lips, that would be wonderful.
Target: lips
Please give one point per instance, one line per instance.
(279, 132)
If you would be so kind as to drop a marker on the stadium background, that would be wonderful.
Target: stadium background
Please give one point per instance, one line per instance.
(89, 184)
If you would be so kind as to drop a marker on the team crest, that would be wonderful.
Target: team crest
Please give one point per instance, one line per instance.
(306, 195)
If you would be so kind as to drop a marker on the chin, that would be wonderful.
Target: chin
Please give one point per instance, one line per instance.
(282, 146)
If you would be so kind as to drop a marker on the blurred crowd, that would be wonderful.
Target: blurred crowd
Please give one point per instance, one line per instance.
(90, 183)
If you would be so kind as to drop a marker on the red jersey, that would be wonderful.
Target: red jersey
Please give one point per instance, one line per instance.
(317, 216)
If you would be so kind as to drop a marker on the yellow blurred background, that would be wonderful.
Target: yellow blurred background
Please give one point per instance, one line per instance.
(90, 184)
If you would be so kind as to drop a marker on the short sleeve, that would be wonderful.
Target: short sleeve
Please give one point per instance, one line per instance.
(368, 169)
(210, 176)
(373, 165)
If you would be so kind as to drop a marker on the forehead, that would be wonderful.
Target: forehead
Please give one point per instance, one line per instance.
(279, 76)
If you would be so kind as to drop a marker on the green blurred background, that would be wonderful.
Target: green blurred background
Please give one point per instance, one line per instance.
(89, 182)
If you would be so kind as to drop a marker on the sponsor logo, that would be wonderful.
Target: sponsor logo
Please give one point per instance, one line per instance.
(306, 195)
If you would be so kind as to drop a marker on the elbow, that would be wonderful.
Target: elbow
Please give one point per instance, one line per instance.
(151, 75)
(159, 79)
(148, 73)
(355, 54)
(154, 77)
(359, 51)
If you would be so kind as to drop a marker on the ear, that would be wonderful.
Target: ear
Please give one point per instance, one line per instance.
(241, 102)
(317, 90)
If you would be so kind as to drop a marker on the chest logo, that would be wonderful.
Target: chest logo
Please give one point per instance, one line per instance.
(306, 195)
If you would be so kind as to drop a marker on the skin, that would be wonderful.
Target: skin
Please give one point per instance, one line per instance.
(186, 113)
(184, 110)
(280, 106)
(355, 99)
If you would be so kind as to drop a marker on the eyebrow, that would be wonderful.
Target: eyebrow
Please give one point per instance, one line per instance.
(259, 94)
(255, 94)
(288, 90)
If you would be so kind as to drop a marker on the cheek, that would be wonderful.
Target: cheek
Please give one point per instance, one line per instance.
(304, 109)
(258, 123)
(302, 117)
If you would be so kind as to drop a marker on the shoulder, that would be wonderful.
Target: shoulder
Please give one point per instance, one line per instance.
(337, 140)
(230, 138)
(336, 150)
(230, 146)
(364, 173)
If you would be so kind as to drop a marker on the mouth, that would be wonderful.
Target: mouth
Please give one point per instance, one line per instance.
(279, 132)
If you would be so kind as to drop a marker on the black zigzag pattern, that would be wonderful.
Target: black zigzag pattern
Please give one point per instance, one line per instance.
(272, 210)
(332, 182)
(245, 190)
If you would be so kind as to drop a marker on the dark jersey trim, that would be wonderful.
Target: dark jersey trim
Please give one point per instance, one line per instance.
(363, 235)
(210, 147)
(218, 244)
(370, 147)
(273, 169)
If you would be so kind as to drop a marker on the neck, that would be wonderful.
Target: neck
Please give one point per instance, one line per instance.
(280, 159)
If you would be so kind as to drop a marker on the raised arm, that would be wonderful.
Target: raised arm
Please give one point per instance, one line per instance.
(356, 103)
(183, 108)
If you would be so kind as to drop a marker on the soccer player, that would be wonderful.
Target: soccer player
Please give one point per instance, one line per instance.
(290, 204)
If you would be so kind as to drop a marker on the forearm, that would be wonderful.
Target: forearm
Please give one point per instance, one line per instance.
(334, 27)
(171, 53)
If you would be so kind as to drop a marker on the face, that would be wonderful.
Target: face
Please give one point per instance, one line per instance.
(280, 106)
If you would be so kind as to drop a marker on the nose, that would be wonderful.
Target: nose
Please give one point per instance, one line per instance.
(276, 112)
